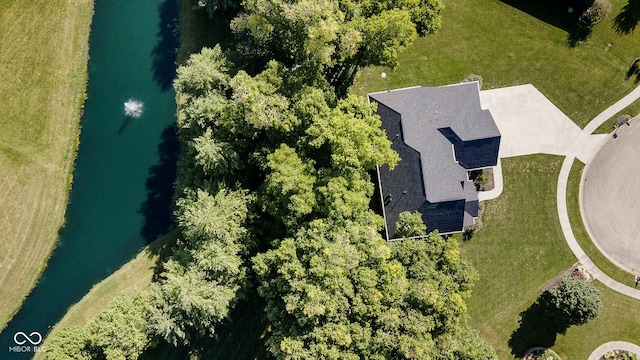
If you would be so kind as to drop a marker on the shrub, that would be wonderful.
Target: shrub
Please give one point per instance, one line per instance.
(596, 12)
(574, 302)
(545, 354)
(473, 77)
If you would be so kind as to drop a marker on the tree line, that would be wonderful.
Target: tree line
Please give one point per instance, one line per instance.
(273, 193)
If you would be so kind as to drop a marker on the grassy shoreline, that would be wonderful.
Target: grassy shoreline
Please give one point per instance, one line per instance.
(135, 275)
(46, 50)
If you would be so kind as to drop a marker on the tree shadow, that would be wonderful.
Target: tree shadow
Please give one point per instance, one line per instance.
(634, 70)
(157, 208)
(627, 20)
(553, 12)
(563, 14)
(538, 327)
(579, 33)
(164, 53)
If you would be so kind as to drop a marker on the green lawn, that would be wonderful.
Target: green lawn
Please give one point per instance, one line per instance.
(507, 46)
(44, 71)
(520, 249)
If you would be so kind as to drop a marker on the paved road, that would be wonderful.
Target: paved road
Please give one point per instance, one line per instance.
(561, 197)
(611, 198)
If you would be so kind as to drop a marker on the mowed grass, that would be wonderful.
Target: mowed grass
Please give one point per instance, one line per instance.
(136, 275)
(520, 250)
(43, 67)
(507, 46)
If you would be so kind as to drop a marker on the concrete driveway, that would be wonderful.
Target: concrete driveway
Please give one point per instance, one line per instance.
(531, 124)
(611, 198)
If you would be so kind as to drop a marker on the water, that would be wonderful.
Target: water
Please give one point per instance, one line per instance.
(122, 186)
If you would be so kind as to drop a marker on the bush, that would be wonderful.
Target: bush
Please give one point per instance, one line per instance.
(596, 12)
(473, 77)
(545, 354)
(574, 302)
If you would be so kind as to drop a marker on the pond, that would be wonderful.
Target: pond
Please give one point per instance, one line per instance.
(125, 166)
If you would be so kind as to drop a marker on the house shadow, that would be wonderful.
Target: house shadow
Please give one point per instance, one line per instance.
(538, 327)
(157, 209)
(627, 20)
(164, 53)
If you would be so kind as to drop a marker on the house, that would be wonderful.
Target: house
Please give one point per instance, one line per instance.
(440, 133)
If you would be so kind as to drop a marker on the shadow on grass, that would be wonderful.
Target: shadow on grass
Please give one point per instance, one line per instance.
(563, 14)
(538, 327)
(634, 70)
(241, 338)
(625, 22)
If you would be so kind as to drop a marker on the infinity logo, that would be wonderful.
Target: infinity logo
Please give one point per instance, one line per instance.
(29, 338)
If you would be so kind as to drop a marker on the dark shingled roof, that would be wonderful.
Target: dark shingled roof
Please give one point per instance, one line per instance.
(439, 132)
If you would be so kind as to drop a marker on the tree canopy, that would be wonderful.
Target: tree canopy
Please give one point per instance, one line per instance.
(332, 39)
(575, 301)
(118, 332)
(274, 190)
(343, 292)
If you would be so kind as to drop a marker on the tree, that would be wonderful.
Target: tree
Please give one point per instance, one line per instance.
(70, 343)
(464, 344)
(203, 73)
(410, 224)
(574, 302)
(343, 292)
(205, 277)
(333, 39)
(288, 188)
(216, 158)
(353, 136)
(120, 331)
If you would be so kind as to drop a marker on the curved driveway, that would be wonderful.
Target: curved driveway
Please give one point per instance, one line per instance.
(527, 122)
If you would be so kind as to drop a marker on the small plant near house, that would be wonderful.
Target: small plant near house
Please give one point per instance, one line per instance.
(581, 273)
(480, 178)
(468, 232)
(473, 77)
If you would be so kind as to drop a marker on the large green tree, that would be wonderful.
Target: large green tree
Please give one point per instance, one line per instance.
(118, 332)
(343, 292)
(332, 39)
(70, 343)
(410, 225)
(205, 277)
